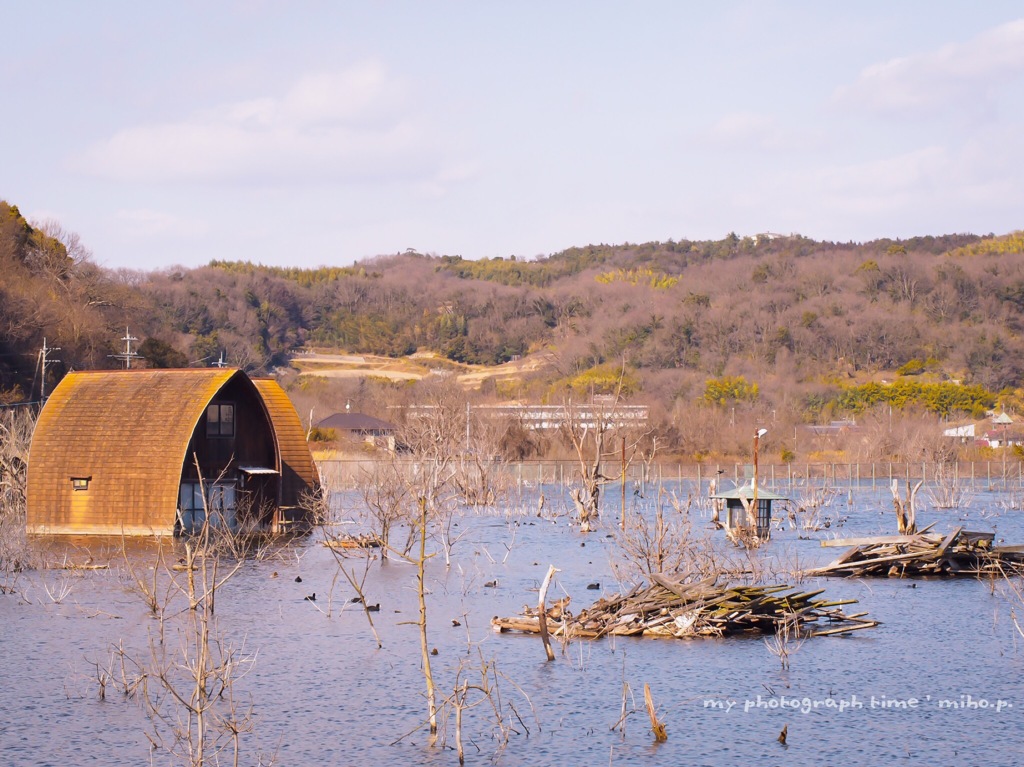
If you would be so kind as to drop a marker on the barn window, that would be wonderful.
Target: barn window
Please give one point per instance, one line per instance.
(220, 502)
(220, 420)
(80, 483)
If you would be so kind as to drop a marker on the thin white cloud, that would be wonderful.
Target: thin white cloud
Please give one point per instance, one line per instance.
(753, 131)
(932, 177)
(959, 75)
(143, 223)
(326, 127)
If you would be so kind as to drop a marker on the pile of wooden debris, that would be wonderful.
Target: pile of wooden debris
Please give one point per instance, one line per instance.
(674, 608)
(363, 541)
(924, 554)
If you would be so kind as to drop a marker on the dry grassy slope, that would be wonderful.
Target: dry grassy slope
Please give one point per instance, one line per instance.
(413, 367)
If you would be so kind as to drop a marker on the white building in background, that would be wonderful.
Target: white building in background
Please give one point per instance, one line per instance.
(962, 432)
(551, 417)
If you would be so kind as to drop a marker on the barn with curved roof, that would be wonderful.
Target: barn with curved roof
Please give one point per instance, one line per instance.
(155, 452)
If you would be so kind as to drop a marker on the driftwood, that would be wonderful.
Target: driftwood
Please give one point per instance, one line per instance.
(669, 607)
(960, 552)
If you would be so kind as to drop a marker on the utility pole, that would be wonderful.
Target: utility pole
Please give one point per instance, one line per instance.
(43, 362)
(127, 355)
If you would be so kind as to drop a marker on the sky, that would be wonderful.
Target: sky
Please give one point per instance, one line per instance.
(308, 133)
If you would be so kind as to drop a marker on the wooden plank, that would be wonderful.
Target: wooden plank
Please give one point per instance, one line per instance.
(844, 629)
(947, 541)
(868, 540)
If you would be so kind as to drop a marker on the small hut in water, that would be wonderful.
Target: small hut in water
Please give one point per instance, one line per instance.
(154, 452)
(739, 499)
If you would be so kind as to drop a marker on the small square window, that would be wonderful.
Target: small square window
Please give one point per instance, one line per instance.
(220, 420)
(80, 483)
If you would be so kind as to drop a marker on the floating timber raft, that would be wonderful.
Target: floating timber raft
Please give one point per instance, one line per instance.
(674, 608)
(922, 554)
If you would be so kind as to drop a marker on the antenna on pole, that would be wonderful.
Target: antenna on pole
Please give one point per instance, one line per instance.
(221, 363)
(127, 355)
(43, 362)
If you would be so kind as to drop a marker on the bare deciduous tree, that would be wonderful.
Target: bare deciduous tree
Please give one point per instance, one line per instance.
(387, 504)
(16, 427)
(480, 474)
(592, 429)
(186, 684)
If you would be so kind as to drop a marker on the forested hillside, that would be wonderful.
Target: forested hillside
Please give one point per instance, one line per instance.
(803, 321)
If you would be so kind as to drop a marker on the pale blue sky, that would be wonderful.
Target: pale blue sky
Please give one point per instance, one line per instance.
(307, 133)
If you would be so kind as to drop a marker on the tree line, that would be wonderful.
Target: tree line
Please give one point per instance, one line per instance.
(805, 321)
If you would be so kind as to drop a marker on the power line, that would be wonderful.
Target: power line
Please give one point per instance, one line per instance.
(127, 355)
(43, 362)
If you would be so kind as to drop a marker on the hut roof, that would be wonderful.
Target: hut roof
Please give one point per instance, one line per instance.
(298, 471)
(130, 428)
(746, 492)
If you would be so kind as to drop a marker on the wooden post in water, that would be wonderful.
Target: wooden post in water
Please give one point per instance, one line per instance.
(542, 615)
(622, 522)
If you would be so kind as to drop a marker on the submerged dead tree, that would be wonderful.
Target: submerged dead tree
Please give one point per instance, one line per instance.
(906, 510)
(187, 684)
(386, 505)
(591, 429)
(481, 472)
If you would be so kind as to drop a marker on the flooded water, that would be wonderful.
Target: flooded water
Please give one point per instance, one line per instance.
(939, 682)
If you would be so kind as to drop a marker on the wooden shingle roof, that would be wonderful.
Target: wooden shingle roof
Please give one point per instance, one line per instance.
(298, 472)
(128, 431)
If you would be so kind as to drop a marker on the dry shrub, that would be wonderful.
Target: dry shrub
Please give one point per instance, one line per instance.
(16, 427)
